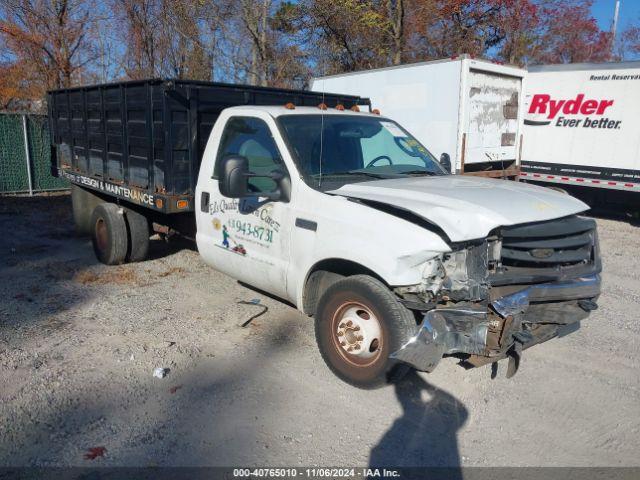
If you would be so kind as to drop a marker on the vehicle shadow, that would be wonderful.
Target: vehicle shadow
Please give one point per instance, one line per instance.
(39, 257)
(159, 248)
(426, 433)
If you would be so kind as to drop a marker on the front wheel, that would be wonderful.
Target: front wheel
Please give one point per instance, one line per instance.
(359, 322)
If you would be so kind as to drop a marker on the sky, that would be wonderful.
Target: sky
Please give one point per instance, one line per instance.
(603, 12)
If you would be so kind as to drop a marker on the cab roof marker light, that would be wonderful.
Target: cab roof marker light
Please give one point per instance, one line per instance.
(340, 107)
(289, 106)
(375, 111)
(355, 108)
(322, 106)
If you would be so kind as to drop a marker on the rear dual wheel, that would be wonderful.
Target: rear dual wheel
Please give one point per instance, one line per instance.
(138, 231)
(119, 235)
(83, 203)
(109, 235)
(359, 322)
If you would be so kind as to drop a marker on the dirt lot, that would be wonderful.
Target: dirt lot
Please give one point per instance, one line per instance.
(79, 342)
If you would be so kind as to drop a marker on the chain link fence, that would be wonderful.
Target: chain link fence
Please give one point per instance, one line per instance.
(26, 170)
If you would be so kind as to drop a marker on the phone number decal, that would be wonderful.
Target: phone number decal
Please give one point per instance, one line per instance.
(250, 230)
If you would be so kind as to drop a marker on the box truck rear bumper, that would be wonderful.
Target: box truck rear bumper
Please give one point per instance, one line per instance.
(510, 324)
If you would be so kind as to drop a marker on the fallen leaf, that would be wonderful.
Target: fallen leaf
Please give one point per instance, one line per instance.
(94, 453)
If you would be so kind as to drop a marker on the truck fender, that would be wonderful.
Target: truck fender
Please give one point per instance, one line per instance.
(325, 273)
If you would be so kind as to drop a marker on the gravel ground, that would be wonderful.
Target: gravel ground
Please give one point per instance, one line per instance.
(79, 342)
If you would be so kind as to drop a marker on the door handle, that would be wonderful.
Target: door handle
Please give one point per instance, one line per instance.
(306, 224)
(204, 202)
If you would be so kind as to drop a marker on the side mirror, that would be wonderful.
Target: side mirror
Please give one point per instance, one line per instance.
(234, 180)
(234, 176)
(445, 161)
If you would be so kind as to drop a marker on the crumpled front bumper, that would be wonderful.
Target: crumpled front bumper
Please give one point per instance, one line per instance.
(508, 325)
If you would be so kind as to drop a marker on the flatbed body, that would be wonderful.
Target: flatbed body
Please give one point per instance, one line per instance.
(142, 141)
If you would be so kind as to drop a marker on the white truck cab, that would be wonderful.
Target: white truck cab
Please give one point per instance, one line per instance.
(351, 219)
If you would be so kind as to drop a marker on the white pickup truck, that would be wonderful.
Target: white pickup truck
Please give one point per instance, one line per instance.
(348, 217)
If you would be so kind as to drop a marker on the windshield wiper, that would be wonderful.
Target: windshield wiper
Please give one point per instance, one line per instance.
(355, 172)
(428, 173)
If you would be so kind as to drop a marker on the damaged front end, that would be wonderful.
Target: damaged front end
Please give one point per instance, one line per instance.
(492, 299)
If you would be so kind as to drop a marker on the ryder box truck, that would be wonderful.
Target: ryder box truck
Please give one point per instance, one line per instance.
(582, 132)
(465, 108)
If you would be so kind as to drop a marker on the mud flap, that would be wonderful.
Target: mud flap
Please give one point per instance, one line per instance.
(514, 354)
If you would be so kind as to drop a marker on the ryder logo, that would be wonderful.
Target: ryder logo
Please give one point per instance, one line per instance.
(542, 105)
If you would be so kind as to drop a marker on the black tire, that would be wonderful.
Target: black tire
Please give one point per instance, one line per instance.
(138, 236)
(396, 323)
(109, 234)
(83, 204)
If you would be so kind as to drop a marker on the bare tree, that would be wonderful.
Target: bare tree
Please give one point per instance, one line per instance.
(188, 51)
(49, 38)
(141, 34)
(347, 35)
(630, 41)
(254, 16)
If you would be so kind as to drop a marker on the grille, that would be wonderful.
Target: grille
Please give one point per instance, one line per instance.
(568, 241)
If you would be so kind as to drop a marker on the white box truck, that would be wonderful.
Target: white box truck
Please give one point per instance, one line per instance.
(462, 107)
(581, 130)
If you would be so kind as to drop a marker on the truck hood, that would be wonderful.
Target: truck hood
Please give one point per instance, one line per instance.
(466, 208)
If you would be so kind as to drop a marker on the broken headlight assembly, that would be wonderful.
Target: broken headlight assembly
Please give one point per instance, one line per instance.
(468, 268)
(457, 276)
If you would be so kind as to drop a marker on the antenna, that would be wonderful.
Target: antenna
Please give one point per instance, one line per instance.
(321, 124)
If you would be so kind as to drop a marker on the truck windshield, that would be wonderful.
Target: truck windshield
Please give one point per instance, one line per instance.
(350, 148)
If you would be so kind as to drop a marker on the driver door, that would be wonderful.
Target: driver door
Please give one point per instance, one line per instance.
(248, 239)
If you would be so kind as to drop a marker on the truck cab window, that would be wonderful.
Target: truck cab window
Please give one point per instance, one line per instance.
(390, 149)
(349, 148)
(250, 137)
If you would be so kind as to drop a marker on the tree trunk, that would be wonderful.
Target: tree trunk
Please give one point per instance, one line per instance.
(263, 47)
(253, 71)
(395, 10)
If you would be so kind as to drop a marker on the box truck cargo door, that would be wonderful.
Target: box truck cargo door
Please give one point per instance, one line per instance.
(492, 113)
